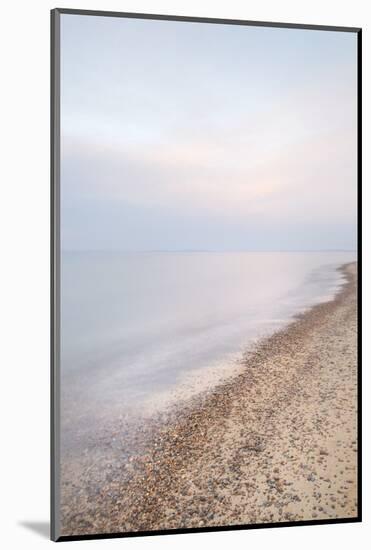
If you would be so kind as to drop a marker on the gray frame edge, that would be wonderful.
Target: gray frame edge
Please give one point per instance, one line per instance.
(55, 274)
(161, 17)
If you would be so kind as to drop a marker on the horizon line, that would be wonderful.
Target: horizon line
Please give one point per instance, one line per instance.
(204, 250)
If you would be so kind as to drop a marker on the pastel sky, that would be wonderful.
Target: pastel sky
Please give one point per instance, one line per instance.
(180, 135)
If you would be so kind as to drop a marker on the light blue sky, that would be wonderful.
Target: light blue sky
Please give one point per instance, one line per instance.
(200, 136)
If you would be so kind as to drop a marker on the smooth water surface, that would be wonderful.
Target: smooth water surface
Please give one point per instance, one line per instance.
(134, 324)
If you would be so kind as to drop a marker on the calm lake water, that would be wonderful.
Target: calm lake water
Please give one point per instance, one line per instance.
(135, 325)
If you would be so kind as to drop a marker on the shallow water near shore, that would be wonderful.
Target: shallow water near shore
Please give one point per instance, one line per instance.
(140, 329)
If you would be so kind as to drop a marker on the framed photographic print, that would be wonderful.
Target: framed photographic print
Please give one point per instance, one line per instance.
(206, 192)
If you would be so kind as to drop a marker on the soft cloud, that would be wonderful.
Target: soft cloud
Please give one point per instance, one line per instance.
(227, 141)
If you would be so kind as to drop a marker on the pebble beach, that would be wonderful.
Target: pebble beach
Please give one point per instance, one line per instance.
(277, 442)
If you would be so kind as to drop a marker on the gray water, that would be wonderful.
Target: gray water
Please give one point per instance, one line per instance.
(134, 324)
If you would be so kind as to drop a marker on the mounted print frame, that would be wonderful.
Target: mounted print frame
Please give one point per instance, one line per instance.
(205, 274)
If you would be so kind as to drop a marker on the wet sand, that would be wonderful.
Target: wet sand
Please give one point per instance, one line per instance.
(276, 443)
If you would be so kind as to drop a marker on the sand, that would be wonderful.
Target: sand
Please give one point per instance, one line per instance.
(276, 443)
